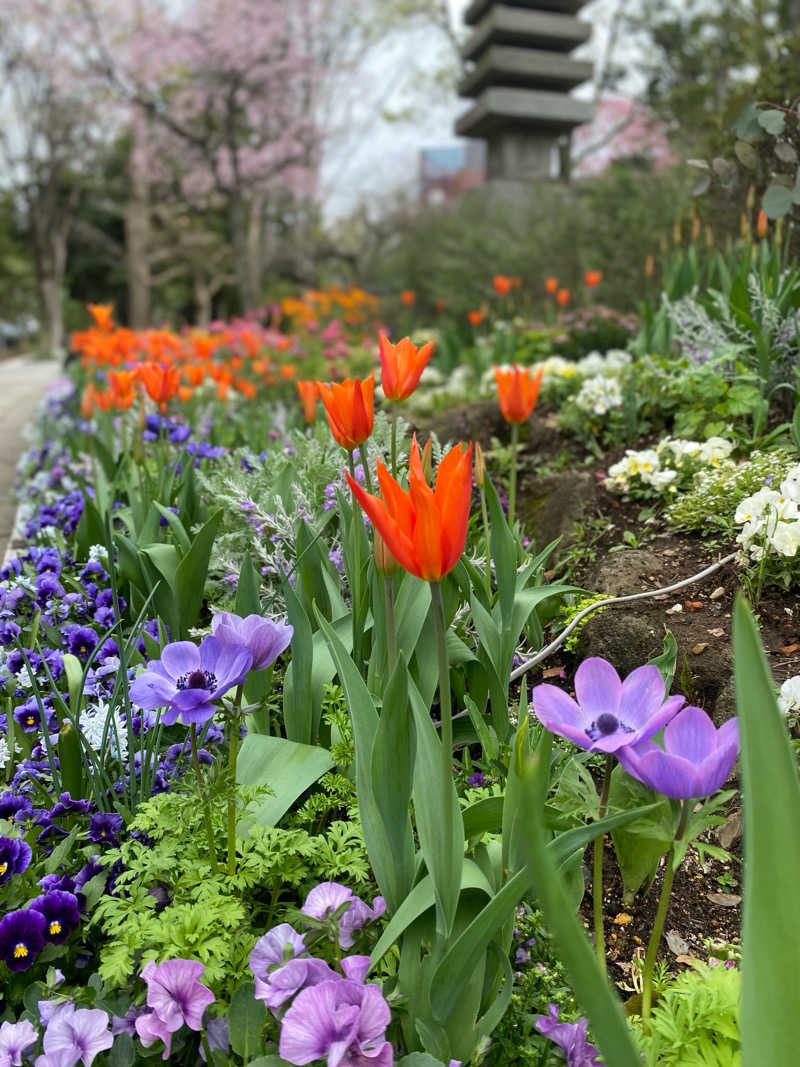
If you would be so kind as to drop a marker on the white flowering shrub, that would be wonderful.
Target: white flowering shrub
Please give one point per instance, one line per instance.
(671, 465)
(770, 519)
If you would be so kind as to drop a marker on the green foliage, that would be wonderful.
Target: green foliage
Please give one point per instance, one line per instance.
(711, 502)
(695, 1022)
(593, 329)
(169, 903)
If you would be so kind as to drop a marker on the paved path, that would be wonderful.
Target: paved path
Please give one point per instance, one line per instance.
(22, 385)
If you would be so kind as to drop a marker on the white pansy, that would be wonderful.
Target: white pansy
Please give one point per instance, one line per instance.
(5, 754)
(789, 697)
(599, 395)
(714, 450)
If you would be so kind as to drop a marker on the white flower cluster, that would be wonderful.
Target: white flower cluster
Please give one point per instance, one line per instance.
(770, 519)
(789, 696)
(613, 363)
(599, 395)
(667, 463)
(93, 727)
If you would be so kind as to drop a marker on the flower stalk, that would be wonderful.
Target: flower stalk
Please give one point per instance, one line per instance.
(204, 799)
(445, 713)
(597, 874)
(234, 726)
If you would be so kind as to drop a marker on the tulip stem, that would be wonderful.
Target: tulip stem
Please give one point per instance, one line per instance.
(512, 482)
(391, 633)
(212, 849)
(365, 465)
(597, 876)
(446, 717)
(661, 914)
(234, 724)
(394, 441)
(356, 576)
(485, 519)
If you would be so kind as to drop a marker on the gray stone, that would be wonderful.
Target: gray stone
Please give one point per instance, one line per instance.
(520, 110)
(621, 573)
(478, 8)
(526, 68)
(623, 639)
(526, 28)
(551, 504)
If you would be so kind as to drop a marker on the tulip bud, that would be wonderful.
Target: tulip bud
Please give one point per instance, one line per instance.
(744, 225)
(385, 562)
(427, 460)
(751, 197)
(649, 265)
(778, 230)
(709, 236)
(676, 233)
(695, 228)
(480, 465)
(762, 225)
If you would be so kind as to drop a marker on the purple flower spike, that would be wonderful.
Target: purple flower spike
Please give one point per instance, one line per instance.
(175, 993)
(342, 1022)
(75, 1036)
(14, 1039)
(21, 938)
(695, 760)
(571, 1037)
(608, 713)
(15, 856)
(264, 638)
(60, 910)
(189, 678)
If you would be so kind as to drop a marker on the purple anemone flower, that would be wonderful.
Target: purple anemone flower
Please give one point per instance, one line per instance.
(695, 760)
(15, 1038)
(264, 638)
(281, 966)
(176, 994)
(571, 1037)
(75, 1036)
(189, 678)
(342, 1022)
(60, 910)
(607, 713)
(15, 856)
(21, 938)
(327, 897)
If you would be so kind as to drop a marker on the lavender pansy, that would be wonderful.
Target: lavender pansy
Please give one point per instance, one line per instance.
(264, 638)
(342, 1022)
(151, 1027)
(15, 1038)
(695, 760)
(569, 1036)
(607, 713)
(176, 994)
(75, 1036)
(281, 966)
(188, 678)
(327, 897)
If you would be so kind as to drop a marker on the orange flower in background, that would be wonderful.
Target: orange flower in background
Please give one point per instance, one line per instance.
(401, 366)
(424, 529)
(440, 305)
(475, 317)
(288, 371)
(103, 315)
(309, 392)
(348, 406)
(502, 284)
(160, 381)
(762, 225)
(409, 297)
(123, 388)
(592, 278)
(195, 373)
(517, 391)
(562, 297)
(550, 285)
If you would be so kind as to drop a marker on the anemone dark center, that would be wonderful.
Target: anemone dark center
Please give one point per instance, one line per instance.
(607, 723)
(197, 680)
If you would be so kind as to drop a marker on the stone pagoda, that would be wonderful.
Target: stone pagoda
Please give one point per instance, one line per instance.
(519, 73)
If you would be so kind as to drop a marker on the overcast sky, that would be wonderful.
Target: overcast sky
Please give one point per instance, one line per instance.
(380, 154)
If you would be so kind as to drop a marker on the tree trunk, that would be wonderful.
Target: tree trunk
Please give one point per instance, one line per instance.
(255, 249)
(202, 300)
(239, 234)
(137, 233)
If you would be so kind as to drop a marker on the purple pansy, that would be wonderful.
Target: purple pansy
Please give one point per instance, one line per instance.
(188, 678)
(176, 994)
(151, 1027)
(21, 938)
(15, 809)
(104, 826)
(14, 1039)
(571, 1037)
(342, 1022)
(695, 760)
(607, 713)
(75, 1036)
(60, 910)
(15, 856)
(281, 966)
(327, 897)
(264, 638)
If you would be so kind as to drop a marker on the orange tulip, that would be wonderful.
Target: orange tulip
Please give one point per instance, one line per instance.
(401, 366)
(348, 406)
(562, 297)
(475, 317)
(288, 371)
(550, 285)
(123, 386)
(161, 382)
(103, 315)
(762, 225)
(592, 278)
(308, 394)
(409, 297)
(502, 284)
(424, 529)
(517, 391)
(195, 373)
